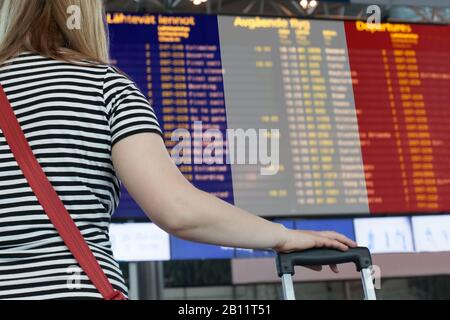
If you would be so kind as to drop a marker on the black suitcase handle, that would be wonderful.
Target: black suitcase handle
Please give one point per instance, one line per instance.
(319, 257)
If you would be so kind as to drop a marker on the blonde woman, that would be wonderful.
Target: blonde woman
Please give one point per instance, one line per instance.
(89, 126)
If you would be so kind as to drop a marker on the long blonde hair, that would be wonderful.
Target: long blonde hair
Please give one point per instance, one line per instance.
(41, 26)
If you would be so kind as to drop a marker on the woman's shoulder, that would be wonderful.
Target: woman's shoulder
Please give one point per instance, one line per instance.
(30, 57)
(117, 79)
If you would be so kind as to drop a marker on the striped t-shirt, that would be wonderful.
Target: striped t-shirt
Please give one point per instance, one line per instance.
(72, 115)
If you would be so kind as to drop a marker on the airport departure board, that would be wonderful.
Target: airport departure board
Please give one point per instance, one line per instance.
(360, 112)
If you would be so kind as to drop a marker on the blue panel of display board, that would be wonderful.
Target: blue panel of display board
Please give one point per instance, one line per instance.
(187, 250)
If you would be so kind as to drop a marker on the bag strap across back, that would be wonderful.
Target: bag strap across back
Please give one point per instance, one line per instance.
(50, 201)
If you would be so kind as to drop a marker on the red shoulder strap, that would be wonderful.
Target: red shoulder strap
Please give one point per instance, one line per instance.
(49, 200)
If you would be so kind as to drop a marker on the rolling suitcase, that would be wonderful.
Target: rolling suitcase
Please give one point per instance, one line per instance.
(361, 257)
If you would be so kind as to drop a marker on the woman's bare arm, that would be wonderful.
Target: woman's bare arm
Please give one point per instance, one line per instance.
(144, 166)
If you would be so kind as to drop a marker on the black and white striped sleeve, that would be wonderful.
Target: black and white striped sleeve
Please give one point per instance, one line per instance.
(129, 111)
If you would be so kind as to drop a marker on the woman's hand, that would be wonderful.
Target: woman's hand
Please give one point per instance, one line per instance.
(299, 240)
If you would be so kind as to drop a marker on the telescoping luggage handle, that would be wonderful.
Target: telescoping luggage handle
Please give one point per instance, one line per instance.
(360, 256)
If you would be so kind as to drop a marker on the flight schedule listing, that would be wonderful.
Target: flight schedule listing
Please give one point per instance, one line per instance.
(401, 76)
(176, 61)
(358, 111)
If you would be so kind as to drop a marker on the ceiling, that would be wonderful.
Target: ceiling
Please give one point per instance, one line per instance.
(431, 11)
